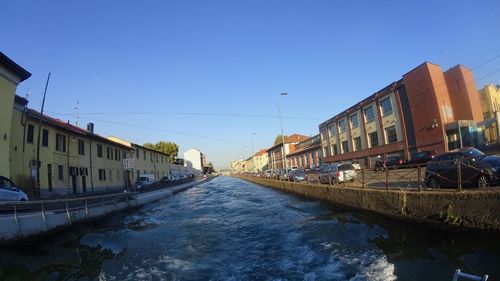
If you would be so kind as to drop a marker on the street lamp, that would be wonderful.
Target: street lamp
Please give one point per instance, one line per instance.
(283, 150)
(253, 158)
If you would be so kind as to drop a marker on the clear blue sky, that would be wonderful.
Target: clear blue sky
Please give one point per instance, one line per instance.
(215, 69)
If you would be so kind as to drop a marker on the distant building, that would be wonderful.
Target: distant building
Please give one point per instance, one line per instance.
(490, 105)
(197, 160)
(489, 96)
(426, 110)
(146, 161)
(275, 154)
(307, 153)
(238, 166)
(261, 160)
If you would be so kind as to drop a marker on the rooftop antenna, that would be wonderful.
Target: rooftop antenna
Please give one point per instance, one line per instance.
(28, 93)
(77, 112)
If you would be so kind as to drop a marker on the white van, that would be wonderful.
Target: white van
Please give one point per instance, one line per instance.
(144, 180)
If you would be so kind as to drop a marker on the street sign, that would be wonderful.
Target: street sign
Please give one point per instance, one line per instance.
(129, 163)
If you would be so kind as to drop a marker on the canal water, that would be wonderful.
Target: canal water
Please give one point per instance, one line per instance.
(230, 229)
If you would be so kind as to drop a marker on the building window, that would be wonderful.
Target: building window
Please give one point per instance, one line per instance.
(31, 132)
(117, 155)
(137, 153)
(357, 144)
(109, 153)
(369, 114)
(60, 143)
(342, 126)
(99, 150)
(373, 139)
(81, 147)
(138, 173)
(345, 147)
(151, 156)
(60, 172)
(391, 134)
(354, 120)
(332, 130)
(110, 175)
(102, 174)
(386, 106)
(124, 155)
(144, 153)
(45, 137)
(156, 158)
(335, 149)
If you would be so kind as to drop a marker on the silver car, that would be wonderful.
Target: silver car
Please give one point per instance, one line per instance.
(10, 192)
(336, 173)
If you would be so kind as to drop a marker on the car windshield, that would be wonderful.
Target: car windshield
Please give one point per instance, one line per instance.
(472, 152)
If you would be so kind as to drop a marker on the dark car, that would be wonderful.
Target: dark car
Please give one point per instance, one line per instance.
(476, 168)
(395, 161)
(297, 175)
(422, 158)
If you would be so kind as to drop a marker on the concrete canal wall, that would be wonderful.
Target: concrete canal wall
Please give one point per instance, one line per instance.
(31, 219)
(469, 209)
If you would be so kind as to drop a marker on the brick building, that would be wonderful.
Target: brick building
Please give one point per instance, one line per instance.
(307, 153)
(425, 110)
(274, 154)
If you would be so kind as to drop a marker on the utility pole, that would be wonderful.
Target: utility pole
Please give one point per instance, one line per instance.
(37, 191)
(283, 150)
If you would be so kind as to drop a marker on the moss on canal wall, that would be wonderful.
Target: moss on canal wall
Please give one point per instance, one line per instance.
(477, 209)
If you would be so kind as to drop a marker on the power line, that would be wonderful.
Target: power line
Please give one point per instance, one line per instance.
(185, 114)
(162, 130)
(486, 61)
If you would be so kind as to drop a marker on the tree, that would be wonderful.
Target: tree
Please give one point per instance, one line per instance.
(170, 148)
(167, 147)
(278, 139)
(149, 146)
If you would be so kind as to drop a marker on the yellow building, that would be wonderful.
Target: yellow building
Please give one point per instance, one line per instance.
(72, 160)
(11, 75)
(146, 161)
(489, 97)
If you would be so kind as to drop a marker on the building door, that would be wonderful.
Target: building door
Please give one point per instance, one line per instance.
(73, 183)
(84, 184)
(49, 176)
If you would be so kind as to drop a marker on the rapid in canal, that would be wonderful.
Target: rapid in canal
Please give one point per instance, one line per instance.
(230, 229)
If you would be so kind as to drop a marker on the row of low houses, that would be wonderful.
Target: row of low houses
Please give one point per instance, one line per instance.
(71, 159)
(427, 109)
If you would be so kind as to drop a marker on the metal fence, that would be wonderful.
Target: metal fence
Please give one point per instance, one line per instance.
(451, 174)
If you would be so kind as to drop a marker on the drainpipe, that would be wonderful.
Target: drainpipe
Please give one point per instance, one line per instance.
(91, 174)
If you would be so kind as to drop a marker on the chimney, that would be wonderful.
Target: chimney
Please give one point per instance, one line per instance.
(90, 128)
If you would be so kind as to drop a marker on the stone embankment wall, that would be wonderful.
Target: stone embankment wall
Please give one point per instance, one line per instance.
(469, 209)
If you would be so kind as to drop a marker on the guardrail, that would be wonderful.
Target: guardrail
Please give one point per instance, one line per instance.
(22, 219)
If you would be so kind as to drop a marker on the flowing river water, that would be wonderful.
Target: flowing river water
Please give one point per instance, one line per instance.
(230, 229)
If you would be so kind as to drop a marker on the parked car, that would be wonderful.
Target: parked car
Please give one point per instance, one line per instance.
(477, 169)
(297, 175)
(422, 158)
(395, 161)
(10, 191)
(144, 180)
(356, 165)
(334, 173)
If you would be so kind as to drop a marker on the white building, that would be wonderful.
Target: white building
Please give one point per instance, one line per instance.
(196, 159)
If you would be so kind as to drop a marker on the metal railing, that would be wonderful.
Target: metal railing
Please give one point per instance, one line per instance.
(451, 174)
(459, 273)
